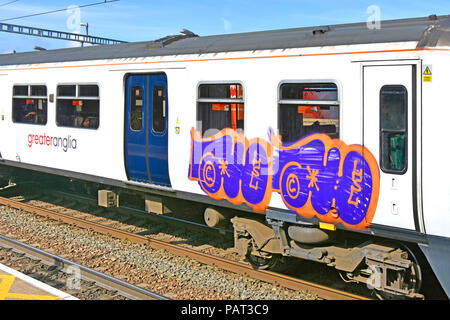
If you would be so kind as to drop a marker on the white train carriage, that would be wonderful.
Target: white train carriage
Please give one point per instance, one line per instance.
(320, 129)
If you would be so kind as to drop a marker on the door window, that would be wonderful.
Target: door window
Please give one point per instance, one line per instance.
(393, 127)
(159, 109)
(136, 108)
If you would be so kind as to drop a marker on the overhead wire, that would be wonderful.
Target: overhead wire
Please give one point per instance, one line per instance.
(4, 4)
(59, 10)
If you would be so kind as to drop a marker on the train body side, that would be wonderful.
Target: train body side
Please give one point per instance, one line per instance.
(435, 178)
(97, 152)
(100, 152)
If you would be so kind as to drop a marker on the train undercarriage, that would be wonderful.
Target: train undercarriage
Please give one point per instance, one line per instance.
(388, 268)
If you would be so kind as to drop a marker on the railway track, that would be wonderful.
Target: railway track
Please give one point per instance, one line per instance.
(91, 222)
(77, 280)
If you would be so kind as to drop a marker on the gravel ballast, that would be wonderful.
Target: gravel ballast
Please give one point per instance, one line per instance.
(155, 270)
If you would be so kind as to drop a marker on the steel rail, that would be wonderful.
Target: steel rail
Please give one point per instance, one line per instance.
(229, 265)
(105, 281)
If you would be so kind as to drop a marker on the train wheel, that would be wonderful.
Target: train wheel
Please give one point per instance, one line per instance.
(416, 272)
(263, 261)
(411, 279)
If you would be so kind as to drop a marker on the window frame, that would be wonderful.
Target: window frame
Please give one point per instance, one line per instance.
(77, 97)
(337, 102)
(243, 100)
(29, 96)
(406, 131)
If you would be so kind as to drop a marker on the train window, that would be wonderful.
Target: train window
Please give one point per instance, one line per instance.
(220, 106)
(393, 128)
(88, 91)
(78, 106)
(67, 91)
(159, 109)
(136, 108)
(20, 90)
(30, 104)
(38, 91)
(307, 108)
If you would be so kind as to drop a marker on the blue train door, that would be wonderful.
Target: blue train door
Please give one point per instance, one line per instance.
(146, 129)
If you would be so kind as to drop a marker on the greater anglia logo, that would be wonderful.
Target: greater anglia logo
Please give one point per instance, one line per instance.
(49, 141)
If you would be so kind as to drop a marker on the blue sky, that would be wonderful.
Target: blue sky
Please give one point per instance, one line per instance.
(133, 20)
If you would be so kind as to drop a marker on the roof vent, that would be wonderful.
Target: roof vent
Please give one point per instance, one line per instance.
(173, 38)
(188, 33)
(321, 30)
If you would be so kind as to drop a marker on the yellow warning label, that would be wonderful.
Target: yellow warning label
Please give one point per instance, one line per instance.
(427, 73)
(327, 226)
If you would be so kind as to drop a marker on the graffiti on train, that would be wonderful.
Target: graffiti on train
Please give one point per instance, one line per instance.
(316, 176)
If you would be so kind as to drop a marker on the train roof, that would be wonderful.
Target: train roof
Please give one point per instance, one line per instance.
(427, 31)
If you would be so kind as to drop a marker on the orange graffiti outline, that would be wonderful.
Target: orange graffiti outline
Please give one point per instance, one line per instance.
(236, 137)
(307, 210)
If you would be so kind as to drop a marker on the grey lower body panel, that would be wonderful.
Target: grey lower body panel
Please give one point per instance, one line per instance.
(437, 252)
(136, 186)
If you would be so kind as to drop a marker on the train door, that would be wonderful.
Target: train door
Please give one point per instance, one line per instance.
(390, 134)
(146, 134)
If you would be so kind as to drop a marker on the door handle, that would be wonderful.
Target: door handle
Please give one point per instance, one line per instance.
(164, 108)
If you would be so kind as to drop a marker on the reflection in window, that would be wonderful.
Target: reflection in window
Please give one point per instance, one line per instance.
(30, 104)
(393, 127)
(88, 91)
(67, 91)
(307, 108)
(159, 109)
(78, 106)
(136, 108)
(220, 106)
